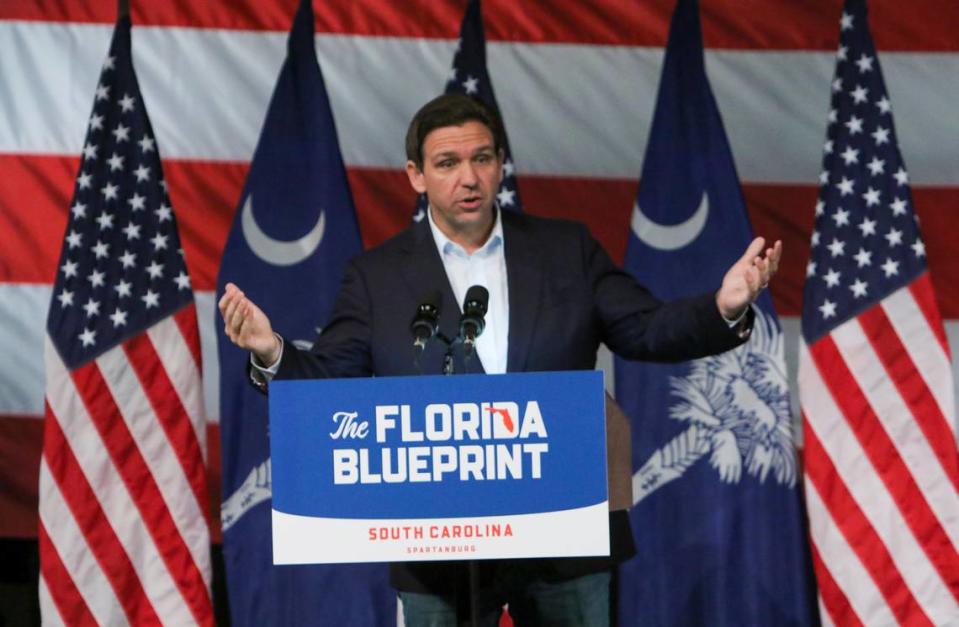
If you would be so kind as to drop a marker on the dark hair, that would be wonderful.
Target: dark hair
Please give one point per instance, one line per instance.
(450, 110)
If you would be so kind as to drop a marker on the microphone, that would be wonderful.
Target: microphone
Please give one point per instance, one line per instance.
(473, 320)
(425, 321)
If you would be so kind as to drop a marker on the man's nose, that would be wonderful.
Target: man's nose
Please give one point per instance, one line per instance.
(468, 176)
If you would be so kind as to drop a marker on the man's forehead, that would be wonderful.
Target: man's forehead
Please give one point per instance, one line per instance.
(469, 136)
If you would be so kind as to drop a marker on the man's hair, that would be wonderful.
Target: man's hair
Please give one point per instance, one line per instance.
(450, 110)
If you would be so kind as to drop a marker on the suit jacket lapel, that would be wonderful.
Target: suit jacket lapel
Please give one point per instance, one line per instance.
(524, 271)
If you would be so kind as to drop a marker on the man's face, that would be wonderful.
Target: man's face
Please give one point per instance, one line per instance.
(460, 176)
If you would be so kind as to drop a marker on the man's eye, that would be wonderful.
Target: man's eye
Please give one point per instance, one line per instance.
(445, 164)
(482, 159)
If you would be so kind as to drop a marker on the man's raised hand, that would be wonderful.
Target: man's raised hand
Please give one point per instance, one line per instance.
(747, 278)
(247, 326)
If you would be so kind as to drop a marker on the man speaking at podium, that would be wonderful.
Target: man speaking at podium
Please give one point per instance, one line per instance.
(554, 296)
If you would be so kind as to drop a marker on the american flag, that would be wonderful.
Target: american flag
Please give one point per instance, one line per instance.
(875, 386)
(124, 534)
(469, 76)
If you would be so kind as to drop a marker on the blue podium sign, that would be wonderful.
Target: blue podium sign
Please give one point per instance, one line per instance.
(439, 468)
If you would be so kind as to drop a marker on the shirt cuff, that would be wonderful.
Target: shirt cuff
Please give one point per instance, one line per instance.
(731, 323)
(262, 373)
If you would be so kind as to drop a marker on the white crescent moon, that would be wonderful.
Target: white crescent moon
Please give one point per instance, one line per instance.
(663, 237)
(278, 252)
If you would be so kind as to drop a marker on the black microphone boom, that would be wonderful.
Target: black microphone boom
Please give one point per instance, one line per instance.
(473, 320)
(425, 321)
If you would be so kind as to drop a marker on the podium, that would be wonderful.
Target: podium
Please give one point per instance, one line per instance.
(443, 468)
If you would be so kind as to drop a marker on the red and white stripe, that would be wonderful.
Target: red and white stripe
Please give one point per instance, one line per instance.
(882, 480)
(124, 534)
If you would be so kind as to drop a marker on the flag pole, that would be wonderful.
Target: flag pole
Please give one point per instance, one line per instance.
(123, 8)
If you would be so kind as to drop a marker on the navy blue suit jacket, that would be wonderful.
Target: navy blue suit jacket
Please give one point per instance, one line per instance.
(565, 297)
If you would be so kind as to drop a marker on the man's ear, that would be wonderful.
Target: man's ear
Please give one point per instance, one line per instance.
(416, 176)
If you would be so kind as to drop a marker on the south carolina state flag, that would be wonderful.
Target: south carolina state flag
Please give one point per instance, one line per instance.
(716, 517)
(293, 232)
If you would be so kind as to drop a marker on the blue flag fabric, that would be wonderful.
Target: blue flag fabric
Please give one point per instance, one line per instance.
(469, 76)
(292, 235)
(717, 514)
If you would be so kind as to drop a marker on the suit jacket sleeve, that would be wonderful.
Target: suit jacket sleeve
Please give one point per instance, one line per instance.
(636, 325)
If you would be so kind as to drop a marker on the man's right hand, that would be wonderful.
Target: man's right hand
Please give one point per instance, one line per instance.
(248, 327)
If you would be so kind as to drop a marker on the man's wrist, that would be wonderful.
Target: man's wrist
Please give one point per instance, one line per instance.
(269, 360)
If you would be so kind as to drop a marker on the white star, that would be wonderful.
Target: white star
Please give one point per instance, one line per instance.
(828, 309)
(90, 151)
(508, 168)
(841, 217)
(65, 297)
(74, 239)
(122, 133)
(898, 207)
(890, 267)
(850, 155)
(159, 241)
(83, 181)
(858, 288)
(79, 210)
(103, 92)
(96, 278)
(87, 337)
(96, 122)
(815, 239)
(108, 64)
(109, 191)
(451, 77)
(876, 166)
(151, 299)
(163, 185)
(69, 268)
(871, 196)
(155, 270)
(137, 202)
(820, 208)
(164, 213)
(101, 249)
(832, 116)
(123, 288)
(127, 259)
(105, 220)
(837, 85)
(868, 227)
(182, 281)
(841, 53)
(919, 248)
(827, 147)
(824, 177)
(146, 144)
(880, 135)
(836, 247)
(863, 257)
(901, 177)
(119, 318)
(142, 173)
(845, 186)
(854, 125)
(883, 104)
(132, 231)
(864, 63)
(811, 268)
(505, 197)
(471, 85)
(126, 103)
(894, 237)
(115, 162)
(845, 22)
(92, 307)
(420, 214)
(859, 94)
(832, 278)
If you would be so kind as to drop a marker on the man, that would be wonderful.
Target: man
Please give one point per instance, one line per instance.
(554, 295)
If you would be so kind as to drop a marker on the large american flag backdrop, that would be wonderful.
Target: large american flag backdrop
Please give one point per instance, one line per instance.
(576, 83)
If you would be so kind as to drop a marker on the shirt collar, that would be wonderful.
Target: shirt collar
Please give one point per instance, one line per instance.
(447, 246)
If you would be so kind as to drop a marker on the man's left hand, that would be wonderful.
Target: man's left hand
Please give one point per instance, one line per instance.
(747, 278)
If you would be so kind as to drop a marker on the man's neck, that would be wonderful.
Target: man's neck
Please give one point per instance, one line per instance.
(471, 239)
